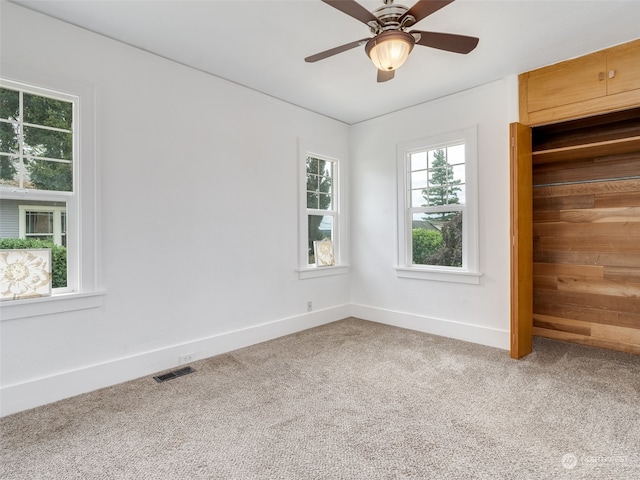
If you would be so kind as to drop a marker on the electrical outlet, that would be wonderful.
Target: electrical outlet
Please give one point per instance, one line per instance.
(186, 358)
(309, 306)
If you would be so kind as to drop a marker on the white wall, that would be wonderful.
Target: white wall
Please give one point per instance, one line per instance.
(198, 219)
(478, 313)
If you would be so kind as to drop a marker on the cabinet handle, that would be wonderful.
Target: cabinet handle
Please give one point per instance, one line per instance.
(601, 76)
(612, 73)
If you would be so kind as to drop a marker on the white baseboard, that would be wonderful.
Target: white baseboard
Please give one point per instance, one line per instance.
(491, 337)
(33, 393)
(25, 395)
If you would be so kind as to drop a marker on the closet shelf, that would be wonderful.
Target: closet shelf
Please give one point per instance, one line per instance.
(575, 152)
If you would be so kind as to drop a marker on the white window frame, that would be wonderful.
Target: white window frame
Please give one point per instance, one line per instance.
(308, 148)
(469, 272)
(83, 290)
(56, 234)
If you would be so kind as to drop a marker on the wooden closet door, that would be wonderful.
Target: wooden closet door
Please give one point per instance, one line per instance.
(521, 241)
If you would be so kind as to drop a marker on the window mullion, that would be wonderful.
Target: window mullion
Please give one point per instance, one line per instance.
(314, 211)
(21, 165)
(48, 159)
(45, 127)
(454, 207)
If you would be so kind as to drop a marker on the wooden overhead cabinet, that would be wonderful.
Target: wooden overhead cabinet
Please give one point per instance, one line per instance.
(601, 82)
(575, 200)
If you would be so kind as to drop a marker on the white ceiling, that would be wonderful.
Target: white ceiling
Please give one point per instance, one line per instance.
(262, 44)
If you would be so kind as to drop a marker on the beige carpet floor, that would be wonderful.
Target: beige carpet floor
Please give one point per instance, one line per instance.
(348, 400)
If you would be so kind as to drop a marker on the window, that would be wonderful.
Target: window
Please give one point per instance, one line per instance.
(38, 139)
(320, 219)
(320, 205)
(47, 178)
(437, 208)
(44, 222)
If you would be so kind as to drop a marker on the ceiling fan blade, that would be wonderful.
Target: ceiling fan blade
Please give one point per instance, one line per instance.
(447, 41)
(335, 50)
(355, 10)
(424, 8)
(385, 75)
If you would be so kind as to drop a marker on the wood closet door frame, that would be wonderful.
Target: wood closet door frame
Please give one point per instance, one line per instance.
(521, 204)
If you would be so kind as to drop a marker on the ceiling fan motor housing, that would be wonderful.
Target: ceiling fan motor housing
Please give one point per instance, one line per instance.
(388, 16)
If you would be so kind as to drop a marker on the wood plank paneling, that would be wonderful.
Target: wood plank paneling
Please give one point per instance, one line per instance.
(622, 274)
(562, 324)
(591, 169)
(594, 271)
(586, 252)
(585, 230)
(561, 203)
(600, 287)
(546, 216)
(607, 200)
(593, 243)
(588, 333)
(601, 215)
(548, 299)
(587, 340)
(588, 314)
(587, 258)
(598, 189)
(616, 334)
(547, 282)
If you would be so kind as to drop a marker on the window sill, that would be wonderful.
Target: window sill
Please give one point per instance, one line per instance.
(33, 307)
(314, 272)
(456, 276)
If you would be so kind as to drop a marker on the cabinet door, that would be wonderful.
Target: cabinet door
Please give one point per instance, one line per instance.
(567, 82)
(623, 68)
(521, 241)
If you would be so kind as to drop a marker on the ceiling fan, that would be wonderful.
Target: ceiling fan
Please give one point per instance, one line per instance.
(391, 44)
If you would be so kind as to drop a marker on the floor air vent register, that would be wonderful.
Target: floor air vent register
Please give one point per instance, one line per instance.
(175, 374)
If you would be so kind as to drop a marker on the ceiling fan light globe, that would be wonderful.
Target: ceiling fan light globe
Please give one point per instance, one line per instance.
(389, 50)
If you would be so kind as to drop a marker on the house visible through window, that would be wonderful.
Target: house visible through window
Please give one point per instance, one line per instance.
(44, 222)
(437, 208)
(37, 145)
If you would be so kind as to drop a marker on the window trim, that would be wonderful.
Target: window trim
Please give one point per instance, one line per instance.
(469, 272)
(82, 231)
(307, 148)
